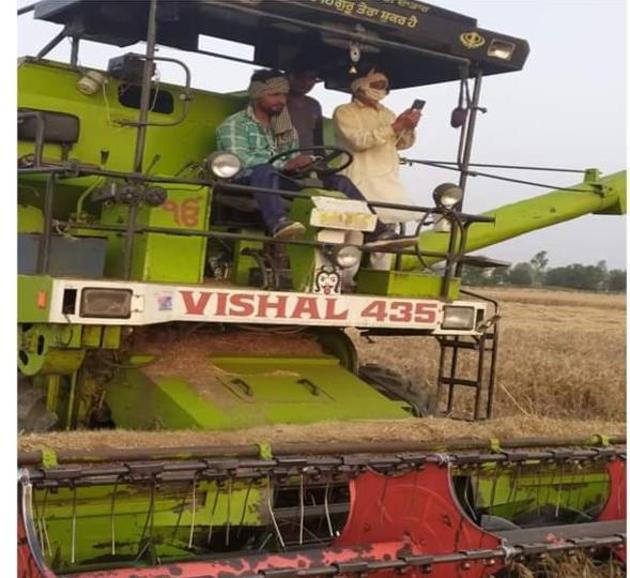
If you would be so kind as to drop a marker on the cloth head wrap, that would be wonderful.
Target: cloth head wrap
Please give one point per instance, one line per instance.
(363, 82)
(281, 124)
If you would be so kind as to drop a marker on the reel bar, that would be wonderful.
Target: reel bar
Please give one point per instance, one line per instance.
(284, 466)
(33, 458)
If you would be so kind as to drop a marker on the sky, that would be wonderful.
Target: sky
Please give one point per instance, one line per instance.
(566, 108)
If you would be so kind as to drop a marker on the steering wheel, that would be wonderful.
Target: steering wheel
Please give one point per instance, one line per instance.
(320, 164)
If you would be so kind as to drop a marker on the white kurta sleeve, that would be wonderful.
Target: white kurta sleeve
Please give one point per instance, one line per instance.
(360, 138)
(407, 138)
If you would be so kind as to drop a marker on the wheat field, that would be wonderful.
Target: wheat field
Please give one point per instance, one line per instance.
(561, 354)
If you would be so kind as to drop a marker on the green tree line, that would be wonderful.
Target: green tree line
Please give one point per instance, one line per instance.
(537, 273)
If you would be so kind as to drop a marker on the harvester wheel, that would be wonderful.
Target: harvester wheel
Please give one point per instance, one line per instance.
(336, 342)
(395, 386)
(33, 416)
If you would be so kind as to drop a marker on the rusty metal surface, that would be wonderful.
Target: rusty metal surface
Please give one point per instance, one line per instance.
(418, 510)
(615, 508)
(403, 515)
(280, 466)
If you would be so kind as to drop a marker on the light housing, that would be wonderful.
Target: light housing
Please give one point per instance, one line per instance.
(346, 256)
(224, 165)
(501, 49)
(458, 318)
(108, 303)
(447, 195)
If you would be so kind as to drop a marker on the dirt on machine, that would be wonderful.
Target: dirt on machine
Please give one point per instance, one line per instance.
(191, 402)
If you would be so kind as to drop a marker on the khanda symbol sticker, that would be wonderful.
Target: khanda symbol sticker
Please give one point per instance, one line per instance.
(472, 39)
(327, 281)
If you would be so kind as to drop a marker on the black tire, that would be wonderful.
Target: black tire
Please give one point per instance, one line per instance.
(394, 386)
(33, 416)
(337, 342)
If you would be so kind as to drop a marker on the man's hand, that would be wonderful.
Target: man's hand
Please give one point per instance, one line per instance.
(407, 120)
(297, 163)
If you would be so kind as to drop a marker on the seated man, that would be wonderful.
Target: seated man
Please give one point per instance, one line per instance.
(258, 133)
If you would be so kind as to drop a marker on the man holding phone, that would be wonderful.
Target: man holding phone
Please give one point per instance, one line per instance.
(374, 134)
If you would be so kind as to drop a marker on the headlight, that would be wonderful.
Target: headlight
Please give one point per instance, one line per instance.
(224, 165)
(501, 49)
(112, 303)
(346, 256)
(447, 195)
(459, 318)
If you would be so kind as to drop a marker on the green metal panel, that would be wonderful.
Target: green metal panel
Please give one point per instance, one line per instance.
(92, 336)
(98, 532)
(62, 361)
(522, 492)
(532, 214)
(30, 219)
(302, 258)
(242, 264)
(52, 86)
(111, 337)
(34, 293)
(235, 392)
(404, 284)
(160, 257)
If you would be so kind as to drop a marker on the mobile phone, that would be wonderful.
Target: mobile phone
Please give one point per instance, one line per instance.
(418, 104)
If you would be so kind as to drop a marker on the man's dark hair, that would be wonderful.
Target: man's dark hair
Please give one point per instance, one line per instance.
(264, 75)
(303, 63)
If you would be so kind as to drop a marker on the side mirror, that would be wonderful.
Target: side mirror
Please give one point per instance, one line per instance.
(458, 117)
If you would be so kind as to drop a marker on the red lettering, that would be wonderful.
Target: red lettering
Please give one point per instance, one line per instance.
(242, 305)
(221, 303)
(306, 306)
(190, 212)
(195, 307)
(375, 310)
(426, 312)
(331, 314)
(265, 304)
(401, 311)
(185, 213)
(172, 207)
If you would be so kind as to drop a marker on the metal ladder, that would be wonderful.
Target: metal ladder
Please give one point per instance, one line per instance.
(449, 371)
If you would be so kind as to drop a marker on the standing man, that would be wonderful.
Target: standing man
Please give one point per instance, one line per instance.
(306, 116)
(305, 112)
(255, 135)
(374, 134)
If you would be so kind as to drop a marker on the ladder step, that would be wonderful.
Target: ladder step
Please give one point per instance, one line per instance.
(460, 345)
(456, 381)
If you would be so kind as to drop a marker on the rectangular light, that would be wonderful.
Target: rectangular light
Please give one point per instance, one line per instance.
(458, 318)
(501, 49)
(109, 303)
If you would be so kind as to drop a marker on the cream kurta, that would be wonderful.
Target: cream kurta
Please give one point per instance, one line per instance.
(368, 134)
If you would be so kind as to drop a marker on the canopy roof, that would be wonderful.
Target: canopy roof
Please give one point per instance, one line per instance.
(416, 43)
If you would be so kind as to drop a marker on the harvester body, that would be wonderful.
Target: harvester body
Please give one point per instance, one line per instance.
(151, 299)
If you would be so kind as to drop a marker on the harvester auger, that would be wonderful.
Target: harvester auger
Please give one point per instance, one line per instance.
(151, 300)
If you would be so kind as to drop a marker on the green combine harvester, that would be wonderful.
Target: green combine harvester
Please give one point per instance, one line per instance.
(150, 298)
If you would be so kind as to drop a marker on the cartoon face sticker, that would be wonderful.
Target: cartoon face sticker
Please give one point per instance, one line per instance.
(327, 281)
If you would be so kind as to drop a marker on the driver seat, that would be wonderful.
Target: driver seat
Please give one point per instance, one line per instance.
(231, 209)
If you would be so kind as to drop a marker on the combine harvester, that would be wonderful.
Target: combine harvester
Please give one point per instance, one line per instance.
(151, 300)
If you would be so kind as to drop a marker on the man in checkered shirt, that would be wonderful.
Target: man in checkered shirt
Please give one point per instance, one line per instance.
(258, 133)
